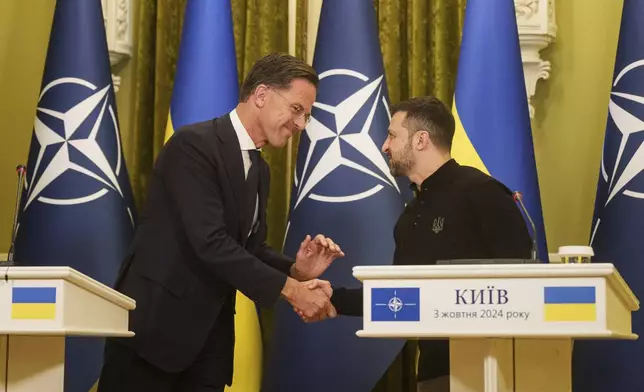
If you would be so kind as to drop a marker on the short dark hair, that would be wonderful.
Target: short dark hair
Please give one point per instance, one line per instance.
(429, 114)
(277, 70)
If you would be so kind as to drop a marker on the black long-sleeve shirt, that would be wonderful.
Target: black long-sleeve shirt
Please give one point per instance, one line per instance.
(459, 212)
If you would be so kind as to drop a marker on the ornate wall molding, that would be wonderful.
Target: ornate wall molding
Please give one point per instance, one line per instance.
(117, 16)
(537, 29)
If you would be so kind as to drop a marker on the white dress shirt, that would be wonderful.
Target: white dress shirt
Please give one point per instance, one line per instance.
(245, 143)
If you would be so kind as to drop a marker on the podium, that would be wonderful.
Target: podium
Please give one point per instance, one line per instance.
(511, 326)
(39, 307)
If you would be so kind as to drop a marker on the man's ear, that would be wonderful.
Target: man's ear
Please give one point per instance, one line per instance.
(260, 95)
(422, 140)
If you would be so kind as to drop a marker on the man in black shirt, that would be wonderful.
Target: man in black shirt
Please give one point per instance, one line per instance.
(459, 212)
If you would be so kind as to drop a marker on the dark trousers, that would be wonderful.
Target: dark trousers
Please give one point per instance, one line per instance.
(124, 371)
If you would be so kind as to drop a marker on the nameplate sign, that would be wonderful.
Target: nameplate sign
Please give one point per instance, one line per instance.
(488, 307)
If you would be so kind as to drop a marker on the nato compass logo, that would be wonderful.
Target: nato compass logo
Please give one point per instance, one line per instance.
(628, 160)
(339, 137)
(395, 304)
(78, 136)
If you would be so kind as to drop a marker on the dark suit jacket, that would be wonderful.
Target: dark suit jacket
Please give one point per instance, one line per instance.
(191, 250)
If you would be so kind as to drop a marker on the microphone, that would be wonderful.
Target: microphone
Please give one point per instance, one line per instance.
(518, 198)
(21, 170)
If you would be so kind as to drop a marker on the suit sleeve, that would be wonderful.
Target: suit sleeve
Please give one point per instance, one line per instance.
(275, 259)
(189, 178)
(500, 222)
(348, 302)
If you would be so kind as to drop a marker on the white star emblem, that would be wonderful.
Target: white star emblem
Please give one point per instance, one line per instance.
(332, 158)
(627, 124)
(67, 139)
(395, 304)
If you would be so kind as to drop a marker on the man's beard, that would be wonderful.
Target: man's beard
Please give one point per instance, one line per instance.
(401, 165)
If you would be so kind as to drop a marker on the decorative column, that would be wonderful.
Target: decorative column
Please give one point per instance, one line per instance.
(537, 29)
(118, 30)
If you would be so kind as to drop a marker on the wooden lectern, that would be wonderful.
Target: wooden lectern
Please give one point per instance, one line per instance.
(511, 326)
(39, 307)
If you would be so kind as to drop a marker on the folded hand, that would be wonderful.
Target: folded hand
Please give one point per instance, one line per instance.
(315, 256)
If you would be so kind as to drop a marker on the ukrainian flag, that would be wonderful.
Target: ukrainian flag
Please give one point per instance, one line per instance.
(206, 85)
(575, 303)
(33, 303)
(493, 130)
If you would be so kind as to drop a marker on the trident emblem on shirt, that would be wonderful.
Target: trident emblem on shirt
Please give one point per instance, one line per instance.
(437, 226)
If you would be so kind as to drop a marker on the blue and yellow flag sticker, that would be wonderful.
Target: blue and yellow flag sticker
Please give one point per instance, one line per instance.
(563, 303)
(33, 303)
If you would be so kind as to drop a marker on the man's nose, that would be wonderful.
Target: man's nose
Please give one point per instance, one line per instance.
(300, 122)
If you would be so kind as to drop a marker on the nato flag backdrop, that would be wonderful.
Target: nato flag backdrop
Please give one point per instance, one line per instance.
(618, 224)
(77, 209)
(343, 189)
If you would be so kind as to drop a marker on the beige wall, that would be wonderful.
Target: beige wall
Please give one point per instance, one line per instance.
(24, 32)
(572, 108)
(24, 36)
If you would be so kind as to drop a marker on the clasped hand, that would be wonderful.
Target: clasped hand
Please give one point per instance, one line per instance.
(312, 298)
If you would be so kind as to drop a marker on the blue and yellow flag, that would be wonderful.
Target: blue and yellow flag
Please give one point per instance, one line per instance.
(77, 208)
(493, 130)
(569, 303)
(617, 230)
(206, 86)
(33, 303)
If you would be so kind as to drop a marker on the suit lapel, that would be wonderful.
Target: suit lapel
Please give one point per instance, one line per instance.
(231, 153)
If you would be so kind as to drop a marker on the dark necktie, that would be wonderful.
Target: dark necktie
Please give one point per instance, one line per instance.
(252, 185)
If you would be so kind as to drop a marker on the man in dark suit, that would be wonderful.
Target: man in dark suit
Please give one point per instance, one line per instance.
(202, 237)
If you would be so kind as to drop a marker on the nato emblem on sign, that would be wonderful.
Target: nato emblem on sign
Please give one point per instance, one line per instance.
(395, 304)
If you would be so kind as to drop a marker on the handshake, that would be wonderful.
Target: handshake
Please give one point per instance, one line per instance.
(311, 300)
(309, 296)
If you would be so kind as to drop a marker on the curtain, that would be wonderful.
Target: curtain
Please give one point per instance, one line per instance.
(157, 48)
(419, 41)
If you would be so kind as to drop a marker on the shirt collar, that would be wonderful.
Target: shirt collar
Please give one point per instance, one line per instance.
(442, 175)
(245, 142)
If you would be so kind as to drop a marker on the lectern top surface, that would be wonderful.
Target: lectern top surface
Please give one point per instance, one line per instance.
(499, 271)
(71, 275)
